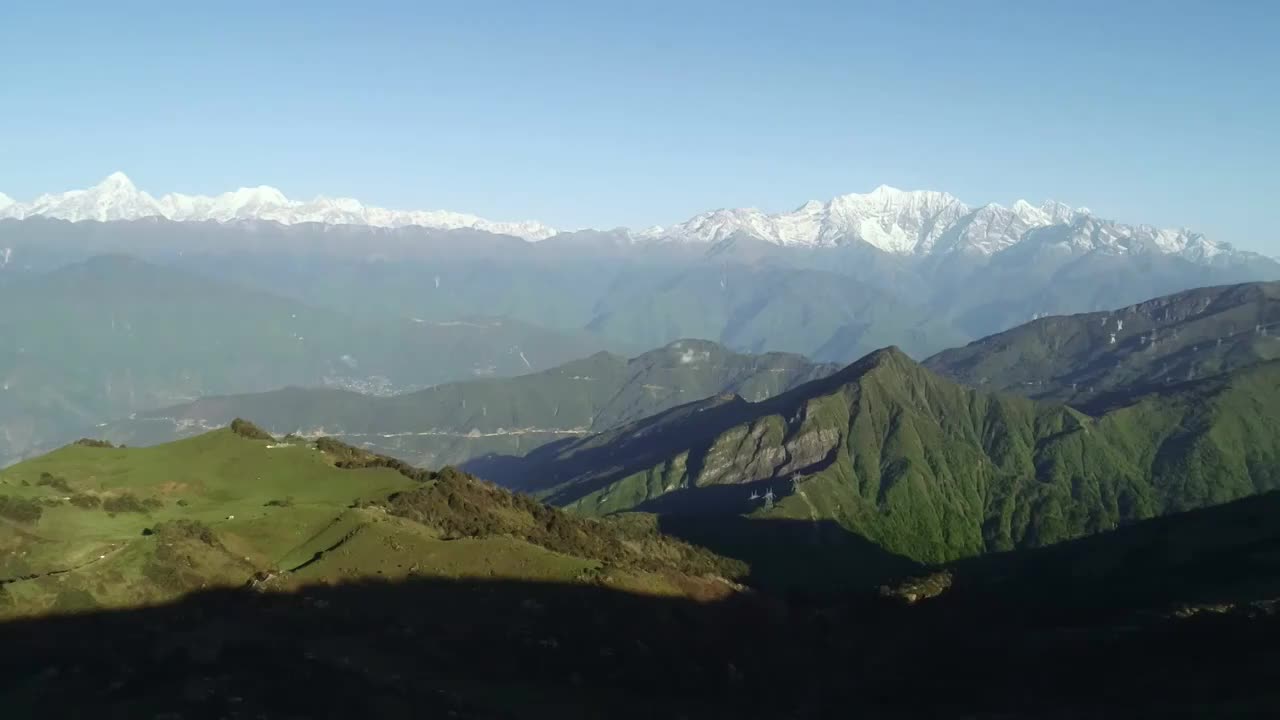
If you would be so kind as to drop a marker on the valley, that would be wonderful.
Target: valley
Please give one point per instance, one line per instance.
(782, 512)
(567, 361)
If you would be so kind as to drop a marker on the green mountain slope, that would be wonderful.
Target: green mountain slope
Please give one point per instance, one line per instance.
(453, 423)
(114, 335)
(924, 467)
(1080, 358)
(89, 526)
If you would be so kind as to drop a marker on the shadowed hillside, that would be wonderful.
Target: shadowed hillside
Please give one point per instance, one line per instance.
(481, 649)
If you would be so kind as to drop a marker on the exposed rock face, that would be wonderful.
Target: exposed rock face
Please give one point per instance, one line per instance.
(913, 590)
(769, 447)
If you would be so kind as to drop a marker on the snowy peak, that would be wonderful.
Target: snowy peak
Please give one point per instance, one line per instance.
(893, 220)
(890, 219)
(929, 223)
(116, 182)
(116, 198)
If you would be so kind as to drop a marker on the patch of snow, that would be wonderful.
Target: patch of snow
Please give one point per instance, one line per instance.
(691, 356)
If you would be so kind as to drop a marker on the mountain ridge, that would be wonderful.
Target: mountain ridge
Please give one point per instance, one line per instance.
(918, 223)
(116, 198)
(453, 422)
(922, 466)
(1078, 358)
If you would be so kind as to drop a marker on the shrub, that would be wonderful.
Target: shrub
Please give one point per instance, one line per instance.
(20, 509)
(350, 457)
(460, 506)
(130, 503)
(287, 502)
(88, 502)
(246, 429)
(90, 442)
(55, 482)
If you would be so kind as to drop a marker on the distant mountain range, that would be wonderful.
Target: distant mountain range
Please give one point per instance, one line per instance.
(113, 335)
(1089, 357)
(116, 198)
(831, 303)
(898, 222)
(456, 422)
(1198, 334)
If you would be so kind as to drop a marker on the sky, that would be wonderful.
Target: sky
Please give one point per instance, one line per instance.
(607, 114)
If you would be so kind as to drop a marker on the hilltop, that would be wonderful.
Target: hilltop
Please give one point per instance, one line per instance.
(94, 526)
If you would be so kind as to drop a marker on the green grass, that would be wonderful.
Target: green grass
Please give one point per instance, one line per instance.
(220, 479)
(219, 509)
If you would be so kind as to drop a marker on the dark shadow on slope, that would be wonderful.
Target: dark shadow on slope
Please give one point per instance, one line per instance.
(1225, 554)
(793, 556)
(510, 471)
(473, 649)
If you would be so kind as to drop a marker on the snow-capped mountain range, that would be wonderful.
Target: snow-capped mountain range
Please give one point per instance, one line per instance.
(916, 223)
(928, 223)
(116, 198)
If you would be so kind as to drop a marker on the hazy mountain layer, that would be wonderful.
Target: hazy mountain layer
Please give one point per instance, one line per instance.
(831, 303)
(455, 422)
(114, 335)
(1080, 358)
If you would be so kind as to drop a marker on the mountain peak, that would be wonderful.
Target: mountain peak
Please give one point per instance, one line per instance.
(116, 181)
(890, 359)
(260, 194)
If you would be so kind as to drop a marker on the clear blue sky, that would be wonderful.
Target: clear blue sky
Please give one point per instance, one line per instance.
(633, 113)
